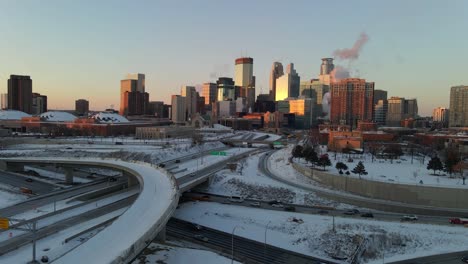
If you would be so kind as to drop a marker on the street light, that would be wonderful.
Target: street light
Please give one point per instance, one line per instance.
(232, 243)
(264, 251)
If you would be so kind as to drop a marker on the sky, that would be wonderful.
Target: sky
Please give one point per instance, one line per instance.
(82, 49)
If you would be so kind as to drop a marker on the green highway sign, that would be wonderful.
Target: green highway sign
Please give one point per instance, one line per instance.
(277, 143)
(218, 153)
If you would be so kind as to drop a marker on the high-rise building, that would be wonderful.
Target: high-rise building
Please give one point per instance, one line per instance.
(276, 72)
(441, 115)
(20, 93)
(303, 109)
(133, 98)
(379, 95)
(288, 84)
(140, 81)
(326, 70)
(380, 112)
(400, 109)
(352, 100)
(155, 108)
(226, 89)
(209, 91)
(243, 74)
(241, 105)
(458, 106)
(81, 106)
(178, 109)
(316, 90)
(4, 101)
(39, 104)
(191, 100)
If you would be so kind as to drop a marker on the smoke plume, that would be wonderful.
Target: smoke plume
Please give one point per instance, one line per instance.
(339, 72)
(352, 53)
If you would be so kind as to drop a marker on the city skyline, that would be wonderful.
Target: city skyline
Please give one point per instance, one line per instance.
(406, 57)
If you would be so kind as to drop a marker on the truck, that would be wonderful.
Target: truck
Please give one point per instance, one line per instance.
(458, 221)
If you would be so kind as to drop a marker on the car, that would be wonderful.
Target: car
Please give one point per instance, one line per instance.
(236, 199)
(323, 212)
(177, 161)
(68, 148)
(465, 259)
(29, 180)
(162, 165)
(112, 179)
(200, 237)
(255, 204)
(290, 208)
(277, 205)
(44, 259)
(368, 215)
(272, 202)
(409, 218)
(119, 143)
(197, 227)
(192, 174)
(351, 212)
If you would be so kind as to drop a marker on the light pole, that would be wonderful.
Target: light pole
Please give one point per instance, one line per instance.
(264, 251)
(232, 243)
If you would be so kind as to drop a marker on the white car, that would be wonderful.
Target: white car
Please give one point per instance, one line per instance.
(409, 218)
(277, 205)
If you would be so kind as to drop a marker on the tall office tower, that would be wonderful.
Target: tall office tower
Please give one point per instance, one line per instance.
(395, 111)
(226, 90)
(39, 103)
(209, 91)
(352, 100)
(81, 106)
(411, 108)
(178, 109)
(20, 93)
(155, 108)
(4, 101)
(140, 78)
(191, 98)
(243, 74)
(458, 106)
(288, 84)
(441, 115)
(276, 72)
(326, 70)
(303, 110)
(316, 90)
(380, 112)
(132, 100)
(379, 95)
(327, 66)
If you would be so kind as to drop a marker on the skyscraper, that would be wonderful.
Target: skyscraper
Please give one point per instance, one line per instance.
(458, 106)
(288, 84)
(400, 109)
(133, 98)
(178, 109)
(441, 115)
(39, 103)
(379, 95)
(4, 101)
(243, 74)
(352, 100)
(209, 91)
(226, 90)
(191, 100)
(326, 70)
(276, 72)
(20, 93)
(81, 106)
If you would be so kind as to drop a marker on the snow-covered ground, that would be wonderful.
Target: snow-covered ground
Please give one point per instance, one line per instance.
(315, 236)
(249, 182)
(164, 254)
(9, 198)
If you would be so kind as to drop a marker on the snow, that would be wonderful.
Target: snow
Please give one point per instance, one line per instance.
(12, 115)
(107, 117)
(158, 253)
(58, 116)
(315, 237)
(9, 198)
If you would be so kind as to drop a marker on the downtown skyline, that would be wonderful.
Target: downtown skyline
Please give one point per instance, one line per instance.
(71, 51)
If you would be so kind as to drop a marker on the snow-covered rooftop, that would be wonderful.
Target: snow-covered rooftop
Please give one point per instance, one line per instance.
(12, 115)
(58, 116)
(107, 117)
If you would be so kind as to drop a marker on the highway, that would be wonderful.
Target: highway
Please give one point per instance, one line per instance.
(21, 240)
(245, 250)
(37, 187)
(49, 198)
(449, 258)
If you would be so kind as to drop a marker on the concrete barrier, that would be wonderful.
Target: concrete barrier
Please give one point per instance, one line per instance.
(442, 197)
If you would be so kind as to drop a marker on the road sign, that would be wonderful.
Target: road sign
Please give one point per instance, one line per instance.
(4, 223)
(218, 153)
(277, 143)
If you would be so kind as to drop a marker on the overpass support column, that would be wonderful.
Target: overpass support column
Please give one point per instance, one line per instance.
(68, 175)
(132, 181)
(161, 236)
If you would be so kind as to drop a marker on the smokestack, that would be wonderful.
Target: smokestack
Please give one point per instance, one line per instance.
(327, 66)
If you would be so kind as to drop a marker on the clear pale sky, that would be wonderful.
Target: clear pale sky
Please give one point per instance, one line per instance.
(82, 49)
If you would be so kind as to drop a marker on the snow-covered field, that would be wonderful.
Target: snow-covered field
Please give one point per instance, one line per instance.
(315, 236)
(164, 254)
(9, 198)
